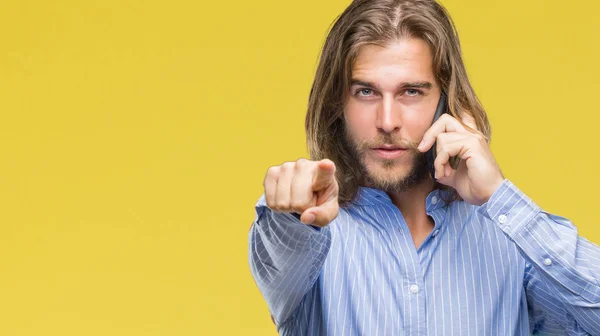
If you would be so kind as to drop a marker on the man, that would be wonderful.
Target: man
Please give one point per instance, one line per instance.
(362, 240)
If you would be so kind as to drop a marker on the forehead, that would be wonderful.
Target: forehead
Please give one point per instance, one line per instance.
(403, 58)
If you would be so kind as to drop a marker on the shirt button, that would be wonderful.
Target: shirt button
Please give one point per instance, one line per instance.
(547, 262)
(435, 232)
(434, 200)
(414, 289)
(502, 219)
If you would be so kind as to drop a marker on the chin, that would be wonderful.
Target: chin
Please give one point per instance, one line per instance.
(387, 171)
(394, 175)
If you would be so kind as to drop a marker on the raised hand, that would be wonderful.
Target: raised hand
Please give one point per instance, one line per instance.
(478, 175)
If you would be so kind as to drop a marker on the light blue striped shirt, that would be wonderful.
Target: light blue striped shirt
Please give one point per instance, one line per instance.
(503, 268)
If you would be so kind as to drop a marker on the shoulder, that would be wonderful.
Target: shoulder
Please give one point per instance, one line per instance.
(464, 216)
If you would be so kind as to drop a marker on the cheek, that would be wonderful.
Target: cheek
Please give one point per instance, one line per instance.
(360, 120)
(416, 125)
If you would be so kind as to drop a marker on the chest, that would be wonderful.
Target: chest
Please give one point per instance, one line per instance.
(464, 275)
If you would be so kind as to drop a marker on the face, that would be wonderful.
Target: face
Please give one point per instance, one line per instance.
(390, 105)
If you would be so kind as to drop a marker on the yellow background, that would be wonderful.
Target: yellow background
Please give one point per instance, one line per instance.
(135, 136)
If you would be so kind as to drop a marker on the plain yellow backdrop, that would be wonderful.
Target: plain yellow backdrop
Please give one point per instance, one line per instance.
(135, 136)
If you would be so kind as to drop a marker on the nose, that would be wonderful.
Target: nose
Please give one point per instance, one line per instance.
(388, 116)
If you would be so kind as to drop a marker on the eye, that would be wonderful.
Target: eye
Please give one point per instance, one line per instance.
(413, 92)
(365, 92)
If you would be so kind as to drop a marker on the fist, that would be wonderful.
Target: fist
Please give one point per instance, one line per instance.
(308, 188)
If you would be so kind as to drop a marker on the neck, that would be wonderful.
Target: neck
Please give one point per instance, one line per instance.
(411, 204)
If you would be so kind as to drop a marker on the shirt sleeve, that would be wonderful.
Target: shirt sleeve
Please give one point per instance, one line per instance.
(286, 257)
(562, 279)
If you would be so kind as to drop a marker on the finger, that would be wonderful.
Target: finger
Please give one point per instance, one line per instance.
(446, 123)
(447, 169)
(446, 145)
(324, 175)
(301, 191)
(463, 149)
(460, 149)
(282, 196)
(445, 164)
(440, 163)
(270, 185)
(469, 120)
(443, 139)
(321, 215)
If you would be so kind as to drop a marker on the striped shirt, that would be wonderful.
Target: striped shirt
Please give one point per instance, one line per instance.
(503, 268)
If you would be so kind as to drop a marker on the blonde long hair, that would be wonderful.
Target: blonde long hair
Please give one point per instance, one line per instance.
(378, 22)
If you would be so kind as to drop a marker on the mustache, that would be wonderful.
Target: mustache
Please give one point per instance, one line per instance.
(389, 140)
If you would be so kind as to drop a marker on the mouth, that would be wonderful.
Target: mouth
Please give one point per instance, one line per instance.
(389, 152)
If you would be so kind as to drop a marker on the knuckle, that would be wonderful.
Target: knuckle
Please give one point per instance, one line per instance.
(446, 117)
(442, 147)
(287, 166)
(302, 162)
(271, 175)
(282, 205)
(273, 171)
(272, 204)
(298, 205)
(442, 138)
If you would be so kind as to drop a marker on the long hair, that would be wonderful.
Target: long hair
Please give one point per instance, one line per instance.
(378, 22)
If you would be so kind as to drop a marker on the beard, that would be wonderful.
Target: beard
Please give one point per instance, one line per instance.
(387, 174)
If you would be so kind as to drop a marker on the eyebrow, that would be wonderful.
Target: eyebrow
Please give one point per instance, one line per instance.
(403, 85)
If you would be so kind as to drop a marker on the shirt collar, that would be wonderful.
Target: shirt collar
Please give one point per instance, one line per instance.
(367, 196)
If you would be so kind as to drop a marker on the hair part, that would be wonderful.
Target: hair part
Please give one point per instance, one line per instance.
(380, 22)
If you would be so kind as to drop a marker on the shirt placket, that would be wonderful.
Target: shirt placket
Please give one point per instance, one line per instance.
(411, 287)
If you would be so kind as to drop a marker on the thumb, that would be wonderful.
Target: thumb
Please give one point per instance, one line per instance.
(324, 175)
(321, 215)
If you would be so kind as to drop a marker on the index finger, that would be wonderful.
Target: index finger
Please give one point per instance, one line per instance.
(324, 174)
(446, 123)
(469, 120)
